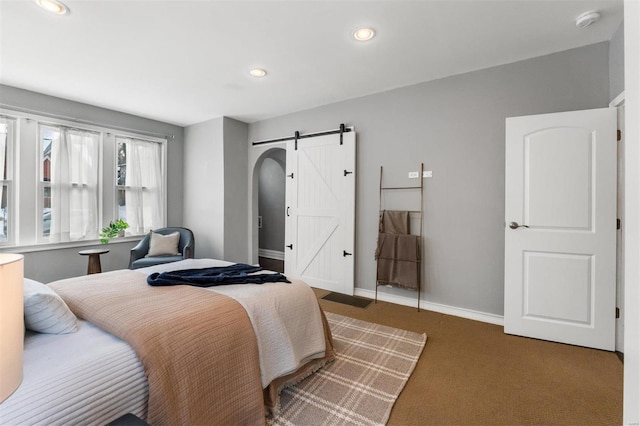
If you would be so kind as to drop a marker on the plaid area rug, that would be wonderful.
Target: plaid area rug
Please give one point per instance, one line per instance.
(373, 363)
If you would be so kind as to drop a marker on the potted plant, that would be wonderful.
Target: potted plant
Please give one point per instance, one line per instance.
(114, 229)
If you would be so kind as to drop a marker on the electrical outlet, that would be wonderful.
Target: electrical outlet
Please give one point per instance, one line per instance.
(414, 175)
(427, 173)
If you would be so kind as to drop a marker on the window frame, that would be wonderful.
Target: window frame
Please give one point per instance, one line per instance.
(13, 209)
(42, 184)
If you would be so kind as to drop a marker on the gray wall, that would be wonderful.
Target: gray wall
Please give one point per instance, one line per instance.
(49, 265)
(616, 63)
(456, 127)
(235, 195)
(203, 188)
(271, 200)
(215, 188)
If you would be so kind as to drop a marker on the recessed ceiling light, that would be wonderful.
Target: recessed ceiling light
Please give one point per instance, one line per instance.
(53, 6)
(258, 72)
(587, 19)
(363, 34)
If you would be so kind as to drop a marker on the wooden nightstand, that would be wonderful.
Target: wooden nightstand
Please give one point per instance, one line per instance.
(94, 266)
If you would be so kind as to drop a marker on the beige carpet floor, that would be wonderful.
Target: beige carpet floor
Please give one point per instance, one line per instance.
(471, 373)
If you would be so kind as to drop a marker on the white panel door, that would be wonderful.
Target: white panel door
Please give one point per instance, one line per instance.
(320, 222)
(560, 227)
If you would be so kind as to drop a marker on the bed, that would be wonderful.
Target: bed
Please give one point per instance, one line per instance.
(170, 355)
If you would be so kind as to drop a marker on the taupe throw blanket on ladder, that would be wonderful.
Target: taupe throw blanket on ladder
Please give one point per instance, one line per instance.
(394, 222)
(398, 252)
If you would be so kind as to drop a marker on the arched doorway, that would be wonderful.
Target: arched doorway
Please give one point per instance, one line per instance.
(270, 170)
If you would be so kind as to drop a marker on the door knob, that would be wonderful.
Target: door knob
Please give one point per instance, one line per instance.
(514, 225)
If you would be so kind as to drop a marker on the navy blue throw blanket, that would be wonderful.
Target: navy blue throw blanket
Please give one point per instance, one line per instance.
(219, 275)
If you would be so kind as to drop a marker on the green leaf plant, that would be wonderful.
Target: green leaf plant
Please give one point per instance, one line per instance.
(112, 230)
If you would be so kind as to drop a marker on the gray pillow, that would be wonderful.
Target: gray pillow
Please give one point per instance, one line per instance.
(45, 311)
(163, 245)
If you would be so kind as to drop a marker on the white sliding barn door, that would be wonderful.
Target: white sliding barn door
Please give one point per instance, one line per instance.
(560, 233)
(320, 222)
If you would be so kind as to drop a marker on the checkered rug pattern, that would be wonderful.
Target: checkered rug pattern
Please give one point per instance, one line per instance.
(373, 363)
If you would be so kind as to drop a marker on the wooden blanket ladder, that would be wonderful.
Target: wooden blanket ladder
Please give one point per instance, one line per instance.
(418, 188)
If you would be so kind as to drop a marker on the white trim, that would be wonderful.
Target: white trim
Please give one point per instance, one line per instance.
(435, 307)
(631, 409)
(617, 101)
(271, 254)
(67, 245)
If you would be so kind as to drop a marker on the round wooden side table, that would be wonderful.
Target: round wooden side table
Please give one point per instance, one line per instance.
(94, 259)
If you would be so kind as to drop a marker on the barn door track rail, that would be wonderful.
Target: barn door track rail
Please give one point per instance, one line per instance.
(297, 136)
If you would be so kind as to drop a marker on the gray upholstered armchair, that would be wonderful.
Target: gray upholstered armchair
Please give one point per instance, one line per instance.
(186, 249)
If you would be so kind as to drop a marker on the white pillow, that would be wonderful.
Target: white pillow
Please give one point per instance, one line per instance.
(45, 311)
(163, 245)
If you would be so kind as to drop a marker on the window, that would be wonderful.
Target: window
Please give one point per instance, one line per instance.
(139, 184)
(47, 139)
(7, 211)
(69, 184)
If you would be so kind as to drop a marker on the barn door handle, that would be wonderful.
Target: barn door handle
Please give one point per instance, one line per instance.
(290, 246)
(514, 225)
(287, 210)
(347, 173)
(345, 254)
(291, 175)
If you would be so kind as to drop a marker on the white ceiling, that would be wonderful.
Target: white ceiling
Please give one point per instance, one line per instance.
(184, 62)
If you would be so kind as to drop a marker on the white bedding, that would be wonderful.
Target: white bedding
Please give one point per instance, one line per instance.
(285, 317)
(91, 377)
(86, 378)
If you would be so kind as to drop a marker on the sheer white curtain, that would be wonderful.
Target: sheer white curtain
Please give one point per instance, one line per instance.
(143, 182)
(74, 186)
(3, 152)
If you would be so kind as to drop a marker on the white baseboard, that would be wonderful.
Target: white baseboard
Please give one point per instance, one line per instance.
(271, 254)
(435, 307)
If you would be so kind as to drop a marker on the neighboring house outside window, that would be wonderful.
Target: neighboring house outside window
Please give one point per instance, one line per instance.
(70, 184)
(46, 185)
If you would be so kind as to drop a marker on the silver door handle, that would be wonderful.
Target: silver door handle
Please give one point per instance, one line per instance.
(514, 225)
